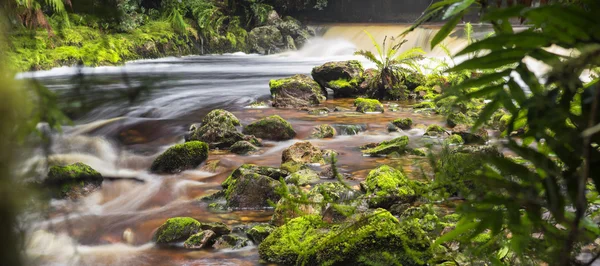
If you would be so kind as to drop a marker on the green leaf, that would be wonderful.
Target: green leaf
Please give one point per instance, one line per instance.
(483, 80)
(502, 253)
(457, 8)
(493, 60)
(487, 113)
(516, 92)
(482, 93)
(523, 40)
(505, 13)
(462, 227)
(446, 29)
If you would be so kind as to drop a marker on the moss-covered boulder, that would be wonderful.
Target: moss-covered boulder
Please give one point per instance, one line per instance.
(217, 227)
(368, 105)
(454, 140)
(176, 230)
(303, 177)
(375, 236)
(201, 240)
(479, 136)
(457, 118)
(73, 181)
(272, 128)
(385, 186)
(266, 40)
(296, 91)
(344, 77)
(322, 132)
(302, 152)
(292, 28)
(403, 123)
(397, 145)
(252, 187)
(243, 147)
(259, 232)
(231, 241)
(435, 131)
(180, 157)
(425, 105)
(218, 130)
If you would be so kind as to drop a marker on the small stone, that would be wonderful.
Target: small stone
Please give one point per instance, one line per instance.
(322, 132)
(201, 240)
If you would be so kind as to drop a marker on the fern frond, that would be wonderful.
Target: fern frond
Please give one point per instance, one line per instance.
(370, 56)
(377, 46)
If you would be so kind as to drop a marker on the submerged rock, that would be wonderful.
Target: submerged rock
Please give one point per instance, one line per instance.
(73, 181)
(296, 91)
(344, 77)
(272, 128)
(397, 145)
(403, 123)
(322, 132)
(346, 129)
(385, 186)
(266, 40)
(243, 147)
(368, 105)
(201, 240)
(180, 157)
(480, 136)
(231, 241)
(176, 230)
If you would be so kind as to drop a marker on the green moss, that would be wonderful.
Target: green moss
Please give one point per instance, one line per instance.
(457, 118)
(303, 177)
(403, 123)
(73, 172)
(180, 157)
(418, 152)
(424, 105)
(386, 185)
(273, 128)
(292, 166)
(344, 84)
(454, 140)
(434, 130)
(397, 145)
(221, 117)
(203, 239)
(296, 91)
(368, 105)
(176, 229)
(231, 241)
(323, 131)
(259, 232)
(251, 169)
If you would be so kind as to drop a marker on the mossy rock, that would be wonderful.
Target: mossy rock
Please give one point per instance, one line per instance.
(220, 116)
(176, 230)
(403, 123)
(454, 140)
(302, 152)
(259, 232)
(243, 147)
(322, 111)
(343, 77)
(435, 131)
(272, 128)
(201, 240)
(303, 177)
(307, 240)
(397, 145)
(265, 40)
(479, 136)
(368, 105)
(245, 188)
(73, 181)
(251, 169)
(293, 167)
(218, 228)
(180, 157)
(322, 132)
(425, 105)
(457, 118)
(231, 241)
(419, 152)
(296, 91)
(385, 186)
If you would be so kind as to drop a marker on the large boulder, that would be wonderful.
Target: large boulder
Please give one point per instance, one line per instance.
(385, 186)
(303, 153)
(296, 91)
(218, 130)
(180, 157)
(344, 77)
(368, 105)
(272, 128)
(266, 40)
(292, 28)
(397, 145)
(376, 236)
(73, 181)
(252, 186)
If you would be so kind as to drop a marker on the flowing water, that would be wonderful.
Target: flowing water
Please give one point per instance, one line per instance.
(120, 138)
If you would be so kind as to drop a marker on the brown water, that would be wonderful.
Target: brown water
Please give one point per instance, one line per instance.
(114, 225)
